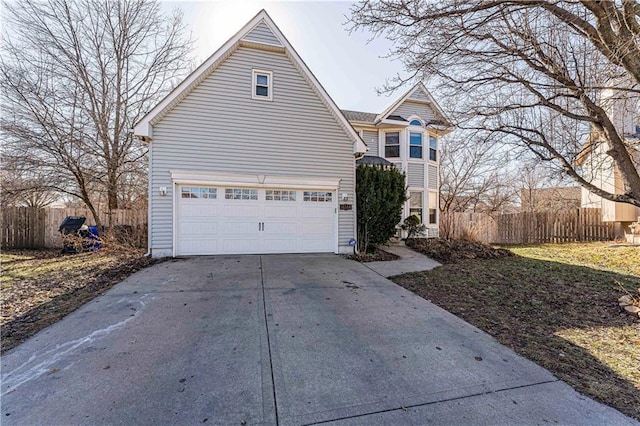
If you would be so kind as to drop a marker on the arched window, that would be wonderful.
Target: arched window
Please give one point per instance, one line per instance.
(415, 122)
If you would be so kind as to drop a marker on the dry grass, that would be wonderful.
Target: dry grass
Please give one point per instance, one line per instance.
(605, 256)
(555, 304)
(41, 287)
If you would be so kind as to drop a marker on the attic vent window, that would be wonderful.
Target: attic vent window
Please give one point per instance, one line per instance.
(262, 84)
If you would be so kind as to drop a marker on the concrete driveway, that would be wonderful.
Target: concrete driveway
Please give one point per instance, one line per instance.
(279, 339)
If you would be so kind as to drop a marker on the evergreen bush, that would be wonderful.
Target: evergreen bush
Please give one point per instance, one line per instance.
(380, 195)
(413, 226)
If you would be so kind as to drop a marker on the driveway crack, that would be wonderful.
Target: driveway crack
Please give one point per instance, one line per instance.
(266, 324)
(409, 406)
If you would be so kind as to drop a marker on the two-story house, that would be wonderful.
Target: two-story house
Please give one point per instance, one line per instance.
(407, 134)
(250, 155)
(622, 106)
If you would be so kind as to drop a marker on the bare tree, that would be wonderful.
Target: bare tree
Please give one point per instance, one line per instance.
(473, 174)
(24, 189)
(75, 77)
(532, 71)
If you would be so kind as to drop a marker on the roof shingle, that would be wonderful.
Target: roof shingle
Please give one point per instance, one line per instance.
(364, 117)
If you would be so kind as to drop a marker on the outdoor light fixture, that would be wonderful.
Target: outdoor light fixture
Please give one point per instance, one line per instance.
(344, 196)
(163, 190)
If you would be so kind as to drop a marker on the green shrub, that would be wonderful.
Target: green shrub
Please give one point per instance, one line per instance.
(413, 226)
(380, 194)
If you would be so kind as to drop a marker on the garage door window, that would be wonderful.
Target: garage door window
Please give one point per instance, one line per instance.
(317, 196)
(198, 192)
(280, 195)
(240, 194)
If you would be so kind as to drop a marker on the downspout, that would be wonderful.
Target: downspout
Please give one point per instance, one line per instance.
(149, 196)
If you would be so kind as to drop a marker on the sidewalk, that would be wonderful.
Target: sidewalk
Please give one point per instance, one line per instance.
(410, 261)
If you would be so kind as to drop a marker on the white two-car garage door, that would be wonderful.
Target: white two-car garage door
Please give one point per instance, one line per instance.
(228, 220)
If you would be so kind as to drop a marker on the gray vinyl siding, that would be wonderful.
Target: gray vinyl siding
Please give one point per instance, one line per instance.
(408, 108)
(371, 139)
(262, 34)
(433, 177)
(415, 175)
(419, 95)
(219, 127)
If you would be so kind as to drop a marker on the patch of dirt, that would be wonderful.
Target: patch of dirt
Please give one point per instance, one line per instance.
(377, 256)
(562, 316)
(41, 287)
(452, 251)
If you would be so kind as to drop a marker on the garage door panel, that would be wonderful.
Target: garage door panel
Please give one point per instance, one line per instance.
(280, 212)
(240, 246)
(280, 245)
(316, 212)
(317, 228)
(198, 228)
(199, 246)
(230, 229)
(312, 245)
(198, 208)
(242, 210)
(284, 229)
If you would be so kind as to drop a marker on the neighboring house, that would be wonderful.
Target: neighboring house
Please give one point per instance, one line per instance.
(550, 199)
(599, 167)
(407, 135)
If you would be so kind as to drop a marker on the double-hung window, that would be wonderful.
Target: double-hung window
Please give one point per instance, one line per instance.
(433, 148)
(415, 145)
(415, 204)
(262, 85)
(433, 208)
(392, 144)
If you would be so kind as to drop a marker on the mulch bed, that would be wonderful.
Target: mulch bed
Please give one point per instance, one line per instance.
(376, 256)
(452, 251)
(23, 322)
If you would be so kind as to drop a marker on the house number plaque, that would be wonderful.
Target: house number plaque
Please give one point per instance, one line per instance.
(346, 206)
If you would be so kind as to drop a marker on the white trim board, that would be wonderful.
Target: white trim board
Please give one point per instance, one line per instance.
(253, 180)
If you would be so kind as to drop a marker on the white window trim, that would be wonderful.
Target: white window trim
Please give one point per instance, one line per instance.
(425, 135)
(437, 208)
(415, 117)
(428, 156)
(384, 142)
(421, 191)
(409, 157)
(254, 84)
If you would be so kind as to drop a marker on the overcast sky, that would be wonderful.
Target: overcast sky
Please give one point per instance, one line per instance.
(348, 67)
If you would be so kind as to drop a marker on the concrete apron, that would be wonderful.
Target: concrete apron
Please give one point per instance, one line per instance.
(279, 339)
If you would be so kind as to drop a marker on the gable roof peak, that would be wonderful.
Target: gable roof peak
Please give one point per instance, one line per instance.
(409, 95)
(143, 129)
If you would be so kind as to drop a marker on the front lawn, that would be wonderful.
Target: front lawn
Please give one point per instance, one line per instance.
(555, 304)
(605, 256)
(39, 287)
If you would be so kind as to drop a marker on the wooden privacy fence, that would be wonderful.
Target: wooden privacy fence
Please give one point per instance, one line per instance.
(528, 227)
(32, 227)
(23, 227)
